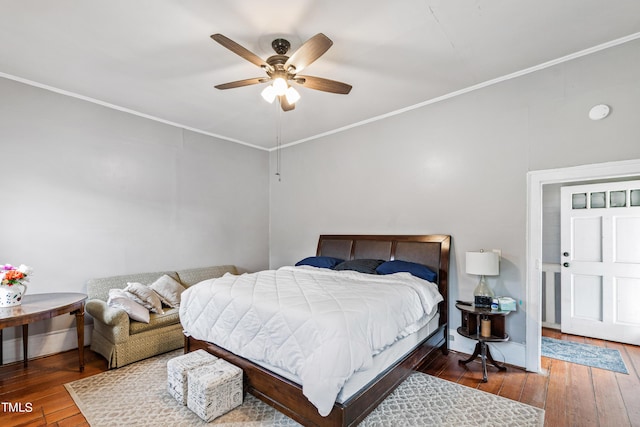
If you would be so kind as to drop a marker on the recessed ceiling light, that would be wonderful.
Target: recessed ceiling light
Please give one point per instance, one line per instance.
(599, 112)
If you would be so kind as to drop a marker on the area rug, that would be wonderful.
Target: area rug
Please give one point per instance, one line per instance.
(136, 395)
(584, 354)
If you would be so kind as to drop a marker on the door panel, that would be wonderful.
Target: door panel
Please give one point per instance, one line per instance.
(600, 276)
(586, 242)
(627, 243)
(626, 294)
(587, 297)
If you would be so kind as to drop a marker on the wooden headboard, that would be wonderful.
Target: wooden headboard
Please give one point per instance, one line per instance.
(431, 250)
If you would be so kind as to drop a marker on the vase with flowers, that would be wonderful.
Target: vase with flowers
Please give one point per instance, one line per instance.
(13, 284)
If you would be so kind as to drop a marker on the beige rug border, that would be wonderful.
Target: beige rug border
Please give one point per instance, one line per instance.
(77, 399)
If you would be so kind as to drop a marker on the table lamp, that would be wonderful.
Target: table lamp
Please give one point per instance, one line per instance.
(483, 264)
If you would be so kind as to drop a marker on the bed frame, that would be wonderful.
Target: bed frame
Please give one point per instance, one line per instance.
(286, 396)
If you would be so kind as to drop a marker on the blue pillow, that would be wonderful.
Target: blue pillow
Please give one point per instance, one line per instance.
(320, 261)
(397, 266)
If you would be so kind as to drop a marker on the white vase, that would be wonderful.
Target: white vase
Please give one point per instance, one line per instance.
(10, 296)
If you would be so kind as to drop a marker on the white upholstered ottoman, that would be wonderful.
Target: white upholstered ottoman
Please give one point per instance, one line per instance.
(214, 389)
(177, 369)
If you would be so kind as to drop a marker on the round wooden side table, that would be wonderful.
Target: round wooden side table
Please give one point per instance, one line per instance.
(471, 328)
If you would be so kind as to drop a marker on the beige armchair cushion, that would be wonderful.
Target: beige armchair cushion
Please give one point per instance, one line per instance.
(170, 316)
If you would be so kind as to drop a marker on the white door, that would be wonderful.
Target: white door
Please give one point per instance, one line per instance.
(600, 259)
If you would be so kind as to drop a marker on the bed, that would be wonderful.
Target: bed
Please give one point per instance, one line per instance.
(281, 389)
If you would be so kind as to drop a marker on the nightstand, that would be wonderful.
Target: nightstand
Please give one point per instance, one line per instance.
(471, 327)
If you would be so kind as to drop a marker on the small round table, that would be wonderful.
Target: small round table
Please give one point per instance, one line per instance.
(44, 306)
(470, 328)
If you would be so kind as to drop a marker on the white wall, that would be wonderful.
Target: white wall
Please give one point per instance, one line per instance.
(459, 167)
(88, 191)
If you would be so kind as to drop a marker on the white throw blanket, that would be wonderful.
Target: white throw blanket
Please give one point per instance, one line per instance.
(319, 324)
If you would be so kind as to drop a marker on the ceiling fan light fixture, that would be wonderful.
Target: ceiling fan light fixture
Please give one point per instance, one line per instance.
(280, 86)
(292, 95)
(280, 69)
(269, 94)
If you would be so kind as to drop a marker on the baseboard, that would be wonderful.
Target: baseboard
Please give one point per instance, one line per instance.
(45, 344)
(509, 352)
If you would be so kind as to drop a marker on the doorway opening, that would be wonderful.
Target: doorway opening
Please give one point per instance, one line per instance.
(536, 180)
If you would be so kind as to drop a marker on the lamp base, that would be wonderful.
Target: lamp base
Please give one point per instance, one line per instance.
(482, 294)
(482, 301)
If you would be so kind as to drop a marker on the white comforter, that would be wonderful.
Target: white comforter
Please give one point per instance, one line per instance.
(319, 324)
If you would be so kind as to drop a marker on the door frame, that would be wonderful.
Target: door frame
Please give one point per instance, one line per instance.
(533, 284)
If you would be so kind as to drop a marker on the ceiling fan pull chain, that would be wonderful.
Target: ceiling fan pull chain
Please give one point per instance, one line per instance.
(278, 139)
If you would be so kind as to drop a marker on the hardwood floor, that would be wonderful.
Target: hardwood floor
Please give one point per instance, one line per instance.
(41, 386)
(572, 395)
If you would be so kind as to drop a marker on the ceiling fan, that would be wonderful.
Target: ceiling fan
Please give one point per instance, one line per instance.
(282, 69)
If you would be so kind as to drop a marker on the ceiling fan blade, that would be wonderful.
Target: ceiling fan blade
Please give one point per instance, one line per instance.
(325, 85)
(311, 50)
(239, 50)
(240, 83)
(284, 104)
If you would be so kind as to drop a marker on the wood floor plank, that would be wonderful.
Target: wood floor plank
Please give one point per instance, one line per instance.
(54, 402)
(573, 338)
(73, 421)
(556, 409)
(580, 396)
(595, 342)
(453, 371)
(435, 366)
(495, 380)
(8, 418)
(513, 383)
(632, 353)
(534, 391)
(472, 375)
(552, 333)
(609, 402)
(33, 423)
(62, 414)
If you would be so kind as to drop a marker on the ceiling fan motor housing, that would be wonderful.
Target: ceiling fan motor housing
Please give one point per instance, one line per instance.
(281, 46)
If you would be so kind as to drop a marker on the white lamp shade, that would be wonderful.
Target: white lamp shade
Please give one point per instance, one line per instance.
(483, 263)
(269, 94)
(292, 95)
(280, 85)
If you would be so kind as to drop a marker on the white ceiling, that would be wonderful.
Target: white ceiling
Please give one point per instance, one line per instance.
(155, 57)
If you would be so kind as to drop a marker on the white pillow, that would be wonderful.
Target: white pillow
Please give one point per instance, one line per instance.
(119, 299)
(142, 294)
(168, 289)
